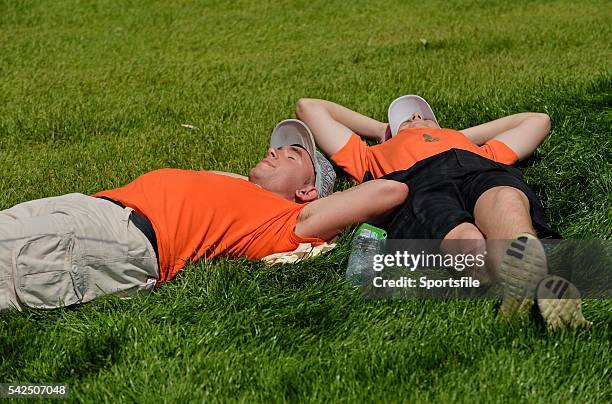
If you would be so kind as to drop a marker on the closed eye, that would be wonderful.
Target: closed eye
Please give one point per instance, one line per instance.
(295, 153)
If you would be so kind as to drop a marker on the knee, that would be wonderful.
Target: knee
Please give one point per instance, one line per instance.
(510, 198)
(465, 239)
(473, 246)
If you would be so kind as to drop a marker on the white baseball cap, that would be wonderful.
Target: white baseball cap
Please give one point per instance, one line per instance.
(402, 109)
(295, 132)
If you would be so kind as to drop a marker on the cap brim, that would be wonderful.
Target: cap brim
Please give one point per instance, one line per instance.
(290, 132)
(402, 109)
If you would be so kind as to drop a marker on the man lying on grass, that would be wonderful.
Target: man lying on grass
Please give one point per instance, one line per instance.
(462, 187)
(70, 249)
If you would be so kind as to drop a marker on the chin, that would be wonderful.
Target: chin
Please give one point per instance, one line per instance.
(256, 172)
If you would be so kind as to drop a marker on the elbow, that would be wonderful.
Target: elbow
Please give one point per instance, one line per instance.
(401, 193)
(543, 120)
(397, 192)
(303, 106)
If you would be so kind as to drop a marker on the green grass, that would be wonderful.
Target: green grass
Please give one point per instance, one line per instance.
(93, 94)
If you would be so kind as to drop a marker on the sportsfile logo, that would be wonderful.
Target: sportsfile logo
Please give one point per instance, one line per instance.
(425, 268)
(407, 263)
(404, 259)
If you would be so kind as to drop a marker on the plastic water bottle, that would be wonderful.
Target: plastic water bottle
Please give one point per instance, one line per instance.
(367, 242)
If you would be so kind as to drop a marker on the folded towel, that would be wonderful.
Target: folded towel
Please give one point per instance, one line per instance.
(303, 251)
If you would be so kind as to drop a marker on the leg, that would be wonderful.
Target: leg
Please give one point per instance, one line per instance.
(29, 209)
(502, 213)
(466, 239)
(84, 248)
(12, 230)
(506, 211)
(18, 236)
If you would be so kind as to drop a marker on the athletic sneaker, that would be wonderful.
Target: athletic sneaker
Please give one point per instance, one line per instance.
(522, 268)
(559, 303)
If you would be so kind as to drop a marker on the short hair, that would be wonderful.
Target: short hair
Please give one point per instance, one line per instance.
(311, 178)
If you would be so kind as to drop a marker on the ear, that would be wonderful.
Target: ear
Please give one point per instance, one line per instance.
(306, 194)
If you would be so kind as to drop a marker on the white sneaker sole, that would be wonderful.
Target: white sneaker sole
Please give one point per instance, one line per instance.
(559, 303)
(522, 268)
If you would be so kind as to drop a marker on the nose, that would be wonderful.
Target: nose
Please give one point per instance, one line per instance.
(272, 152)
(416, 116)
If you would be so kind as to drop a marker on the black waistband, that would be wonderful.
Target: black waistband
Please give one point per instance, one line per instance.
(142, 223)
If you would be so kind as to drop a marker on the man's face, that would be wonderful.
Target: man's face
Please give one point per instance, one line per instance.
(416, 121)
(286, 171)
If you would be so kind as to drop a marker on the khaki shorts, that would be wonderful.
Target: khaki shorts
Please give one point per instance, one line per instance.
(70, 249)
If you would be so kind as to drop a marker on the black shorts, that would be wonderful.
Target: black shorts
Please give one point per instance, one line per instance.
(443, 190)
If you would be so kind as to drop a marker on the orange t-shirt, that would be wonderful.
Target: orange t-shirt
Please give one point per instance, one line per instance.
(198, 214)
(409, 147)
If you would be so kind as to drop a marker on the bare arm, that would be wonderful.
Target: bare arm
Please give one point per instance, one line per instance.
(522, 132)
(242, 177)
(327, 217)
(332, 124)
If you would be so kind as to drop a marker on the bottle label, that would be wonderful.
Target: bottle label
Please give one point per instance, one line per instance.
(369, 231)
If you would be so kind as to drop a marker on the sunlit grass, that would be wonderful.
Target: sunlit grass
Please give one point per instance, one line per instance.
(93, 94)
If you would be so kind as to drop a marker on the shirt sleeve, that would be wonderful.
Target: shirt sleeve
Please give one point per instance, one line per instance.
(499, 151)
(296, 240)
(353, 158)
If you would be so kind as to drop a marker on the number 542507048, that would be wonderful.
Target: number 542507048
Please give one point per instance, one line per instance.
(30, 389)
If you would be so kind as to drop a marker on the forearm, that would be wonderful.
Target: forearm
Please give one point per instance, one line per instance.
(375, 198)
(384, 218)
(527, 136)
(521, 132)
(360, 124)
(482, 133)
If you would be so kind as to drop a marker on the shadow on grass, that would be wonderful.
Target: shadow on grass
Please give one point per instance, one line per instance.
(90, 355)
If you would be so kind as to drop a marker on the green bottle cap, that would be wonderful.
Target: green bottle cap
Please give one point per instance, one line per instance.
(370, 231)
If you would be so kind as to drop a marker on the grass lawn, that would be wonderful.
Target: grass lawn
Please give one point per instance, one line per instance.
(93, 93)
